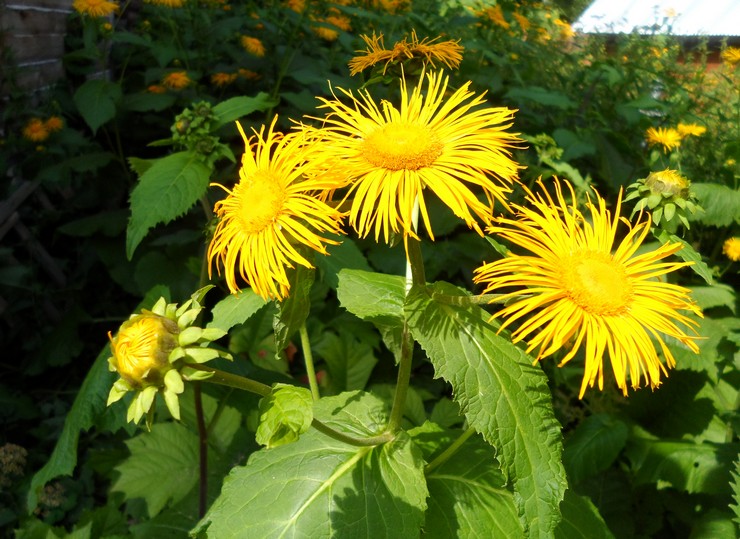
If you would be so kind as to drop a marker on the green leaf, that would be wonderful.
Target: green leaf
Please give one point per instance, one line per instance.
(688, 254)
(88, 407)
(542, 96)
(165, 191)
(735, 485)
(320, 487)
(593, 446)
(96, 100)
(163, 466)
(346, 255)
(581, 519)
(284, 415)
(349, 361)
(235, 309)
(721, 204)
(467, 493)
(237, 107)
(718, 295)
(684, 465)
(503, 396)
(148, 102)
(293, 310)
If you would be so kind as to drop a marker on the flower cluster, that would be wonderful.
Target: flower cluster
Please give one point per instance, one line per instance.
(670, 138)
(667, 194)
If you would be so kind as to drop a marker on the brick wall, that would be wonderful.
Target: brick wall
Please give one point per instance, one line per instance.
(34, 32)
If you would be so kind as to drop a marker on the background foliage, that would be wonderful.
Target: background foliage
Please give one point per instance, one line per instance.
(118, 208)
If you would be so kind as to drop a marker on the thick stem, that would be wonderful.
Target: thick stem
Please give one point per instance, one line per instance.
(203, 461)
(403, 380)
(308, 358)
(352, 440)
(445, 455)
(465, 301)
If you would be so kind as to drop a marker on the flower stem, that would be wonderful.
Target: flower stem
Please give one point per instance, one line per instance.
(308, 358)
(203, 446)
(352, 440)
(445, 455)
(465, 301)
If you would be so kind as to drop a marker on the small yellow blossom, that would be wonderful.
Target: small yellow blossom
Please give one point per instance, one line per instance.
(223, 79)
(95, 8)
(253, 46)
(177, 80)
(731, 55)
(36, 130)
(667, 137)
(299, 6)
(523, 22)
(156, 89)
(731, 248)
(691, 130)
(53, 124)
(495, 15)
(248, 74)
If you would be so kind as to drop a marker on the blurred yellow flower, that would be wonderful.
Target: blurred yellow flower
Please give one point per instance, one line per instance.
(253, 46)
(223, 79)
(731, 248)
(448, 53)
(495, 15)
(581, 287)
(691, 130)
(299, 6)
(667, 137)
(329, 33)
(432, 142)
(273, 213)
(248, 74)
(731, 55)
(156, 89)
(177, 80)
(523, 22)
(36, 130)
(566, 30)
(54, 123)
(95, 8)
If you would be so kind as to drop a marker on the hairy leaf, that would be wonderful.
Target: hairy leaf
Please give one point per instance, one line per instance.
(581, 519)
(593, 446)
(236, 107)
(285, 414)
(96, 100)
(235, 309)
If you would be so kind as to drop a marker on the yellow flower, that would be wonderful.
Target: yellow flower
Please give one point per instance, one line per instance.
(496, 15)
(95, 8)
(36, 130)
(566, 30)
(731, 55)
(667, 137)
(445, 144)
(53, 124)
(580, 289)
(690, 130)
(328, 33)
(167, 3)
(299, 6)
(448, 53)
(156, 89)
(524, 23)
(223, 79)
(272, 212)
(249, 74)
(390, 6)
(731, 249)
(177, 80)
(253, 46)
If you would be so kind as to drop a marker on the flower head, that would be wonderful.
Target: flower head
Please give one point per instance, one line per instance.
(434, 142)
(95, 8)
(579, 288)
(272, 213)
(667, 137)
(223, 79)
(427, 51)
(253, 46)
(36, 130)
(690, 130)
(667, 194)
(731, 248)
(731, 55)
(177, 80)
(153, 352)
(53, 124)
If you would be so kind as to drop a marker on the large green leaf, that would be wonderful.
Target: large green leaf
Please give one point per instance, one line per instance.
(293, 310)
(581, 519)
(88, 407)
(235, 309)
(721, 204)
(285, 414)
(345, 255)
(688, 254)
(593, 446)
(96, 100)
(165, 191)
(467, 493)
(319, 487)
(349, 361)
(236, 107)
(162, 468)
(504, 397)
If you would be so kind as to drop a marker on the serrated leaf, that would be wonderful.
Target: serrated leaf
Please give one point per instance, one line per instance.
(293, 310)
(718, 295)
(503, 396)
(688, 254)
(581, 519)
(349, 361)
(235, 309)
(721, 204)
(345, 255)
(88, 407)
(96, 101)
(319, 487)
(285, 414)
(237, 107)
(735, 486)
(542, 96)
(167, 190)
(593, 446)
(467, 494)
(163, 466)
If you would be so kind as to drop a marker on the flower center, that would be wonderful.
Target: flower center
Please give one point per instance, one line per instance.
(597, 284)
(261, 201)
(398, 146)
(136, 348)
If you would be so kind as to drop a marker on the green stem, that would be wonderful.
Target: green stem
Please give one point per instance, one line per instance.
(203, 453)
(308, 358)
(451, 450)
(465, 301)
(403, 380)
(239, 382)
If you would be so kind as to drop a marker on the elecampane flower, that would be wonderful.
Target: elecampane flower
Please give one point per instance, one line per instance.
(667, 137)
(54, 123)
(691, 130)
(443, 144)
(271, 212)
(176, 80)
(580, 287)
(36, 130)
(95, 8)
(731, 249)
(253, 46)
(731, 55)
